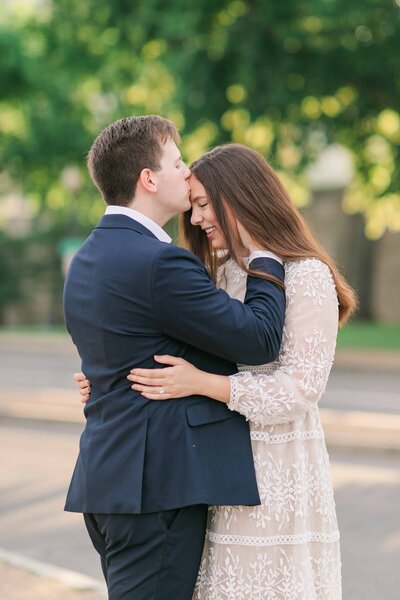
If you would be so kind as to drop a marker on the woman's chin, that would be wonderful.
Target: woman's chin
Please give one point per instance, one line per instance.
(218, 244)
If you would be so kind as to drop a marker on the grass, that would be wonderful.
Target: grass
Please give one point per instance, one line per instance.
(39, 329)
(370, 335)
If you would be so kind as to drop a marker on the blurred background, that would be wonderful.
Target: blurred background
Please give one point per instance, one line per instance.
(315, 87)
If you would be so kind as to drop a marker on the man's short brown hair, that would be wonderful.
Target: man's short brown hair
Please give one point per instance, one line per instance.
(122, 150)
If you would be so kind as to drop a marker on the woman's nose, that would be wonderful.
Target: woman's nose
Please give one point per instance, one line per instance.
(195, 219)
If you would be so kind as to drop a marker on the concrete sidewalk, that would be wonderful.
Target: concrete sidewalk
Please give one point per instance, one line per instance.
(18, 584)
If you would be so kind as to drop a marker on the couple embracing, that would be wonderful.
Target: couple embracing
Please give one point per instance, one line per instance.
(202, 470)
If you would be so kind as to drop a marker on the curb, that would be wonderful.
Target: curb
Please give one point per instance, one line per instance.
(356, 430)
(44, 404)
(348, 429)
(70, 579)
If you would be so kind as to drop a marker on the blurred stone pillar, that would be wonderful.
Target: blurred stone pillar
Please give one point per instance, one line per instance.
(386, 279)
(330, 224)
(342, 235)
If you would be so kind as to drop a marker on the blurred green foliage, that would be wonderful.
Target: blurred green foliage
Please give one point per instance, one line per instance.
(10, 258)
(284, 77)
(287, 78)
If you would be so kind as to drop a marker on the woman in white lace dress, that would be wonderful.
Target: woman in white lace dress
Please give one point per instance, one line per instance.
(287, 548)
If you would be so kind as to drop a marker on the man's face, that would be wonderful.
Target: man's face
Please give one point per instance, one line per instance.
(172, 180)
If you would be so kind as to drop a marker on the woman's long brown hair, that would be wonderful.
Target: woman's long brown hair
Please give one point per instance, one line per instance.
(240, 182)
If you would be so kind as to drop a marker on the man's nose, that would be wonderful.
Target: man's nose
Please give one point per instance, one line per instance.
(187, 172)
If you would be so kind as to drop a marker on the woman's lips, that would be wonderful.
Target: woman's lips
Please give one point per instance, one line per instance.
(210, 230)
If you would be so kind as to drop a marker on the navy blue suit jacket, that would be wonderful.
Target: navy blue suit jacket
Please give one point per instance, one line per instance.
(129, 296)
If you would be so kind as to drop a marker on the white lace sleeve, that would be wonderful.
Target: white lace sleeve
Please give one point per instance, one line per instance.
(307, 351)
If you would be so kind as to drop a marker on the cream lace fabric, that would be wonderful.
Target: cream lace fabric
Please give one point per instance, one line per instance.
(288, 547)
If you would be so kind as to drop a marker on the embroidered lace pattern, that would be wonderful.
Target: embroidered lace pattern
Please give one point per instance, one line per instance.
(279, 438)
(273, 540)
(275, 574)
(287, 548)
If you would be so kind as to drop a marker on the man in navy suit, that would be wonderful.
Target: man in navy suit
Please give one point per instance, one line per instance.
(147, 470)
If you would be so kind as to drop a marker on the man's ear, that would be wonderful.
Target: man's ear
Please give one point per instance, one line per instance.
(147, 180)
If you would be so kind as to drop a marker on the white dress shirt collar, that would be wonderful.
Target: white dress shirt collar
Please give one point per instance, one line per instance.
(263, 254)
(140, 218)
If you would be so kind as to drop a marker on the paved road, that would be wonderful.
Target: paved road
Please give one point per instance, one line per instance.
(49, 361)
(377, 391)
(37, 459)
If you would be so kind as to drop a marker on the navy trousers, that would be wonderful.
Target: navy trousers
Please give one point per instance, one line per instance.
(151, 556)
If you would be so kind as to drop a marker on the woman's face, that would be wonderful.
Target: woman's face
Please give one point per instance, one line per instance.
(203, 214)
